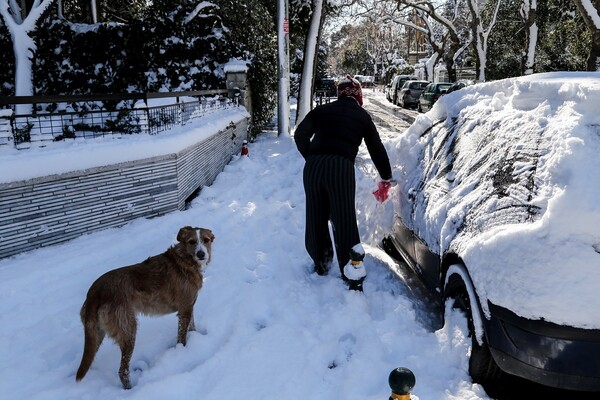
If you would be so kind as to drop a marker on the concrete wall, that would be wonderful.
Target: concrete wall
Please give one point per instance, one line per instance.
(53, 209)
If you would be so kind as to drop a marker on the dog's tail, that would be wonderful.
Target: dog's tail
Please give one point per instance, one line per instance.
(92, 337)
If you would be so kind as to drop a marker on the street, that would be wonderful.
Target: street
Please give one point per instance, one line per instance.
(385, 114)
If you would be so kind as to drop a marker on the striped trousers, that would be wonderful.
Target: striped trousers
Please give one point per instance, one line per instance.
(330, 188)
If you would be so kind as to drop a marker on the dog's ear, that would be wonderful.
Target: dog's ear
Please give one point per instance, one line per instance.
(182, 232)
(208, 232)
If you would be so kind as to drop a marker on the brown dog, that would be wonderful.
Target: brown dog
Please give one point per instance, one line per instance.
(163, 284)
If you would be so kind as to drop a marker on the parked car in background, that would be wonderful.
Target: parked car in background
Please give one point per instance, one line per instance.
(326, 87)
(497, 215)
(432, 92)
(395, 85)
(408, 94)
(462, 83)
(366, 81)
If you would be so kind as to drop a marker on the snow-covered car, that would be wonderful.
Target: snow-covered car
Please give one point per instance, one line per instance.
(498, 214)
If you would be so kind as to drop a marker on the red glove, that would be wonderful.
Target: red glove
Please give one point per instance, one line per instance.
(382, 192)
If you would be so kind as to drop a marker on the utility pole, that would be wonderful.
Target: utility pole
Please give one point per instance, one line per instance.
(283, 52)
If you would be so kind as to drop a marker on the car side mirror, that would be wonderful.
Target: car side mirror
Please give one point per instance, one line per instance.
(443, 91)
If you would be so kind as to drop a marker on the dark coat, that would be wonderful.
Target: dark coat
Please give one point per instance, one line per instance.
(338, 128)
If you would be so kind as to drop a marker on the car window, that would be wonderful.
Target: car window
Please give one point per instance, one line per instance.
(418, 85)
(405, 80)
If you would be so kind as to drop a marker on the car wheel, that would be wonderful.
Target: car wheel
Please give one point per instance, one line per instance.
(482, 367)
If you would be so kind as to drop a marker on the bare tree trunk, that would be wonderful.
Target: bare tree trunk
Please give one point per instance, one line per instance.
(480, 36)
(23, 6)
(590, 12)
(21, 29)
(310, 58)
(529, 17)
(429, 8)
(448, 58)
(93, 11)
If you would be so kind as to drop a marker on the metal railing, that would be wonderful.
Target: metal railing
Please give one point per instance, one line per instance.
(56, 118)
(323, 96)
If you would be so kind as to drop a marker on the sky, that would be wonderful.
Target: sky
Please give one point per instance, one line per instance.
(269, 327)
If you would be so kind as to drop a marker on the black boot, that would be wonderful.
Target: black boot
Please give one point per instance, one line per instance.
(321, 268)
(353, 284)
(356, 285)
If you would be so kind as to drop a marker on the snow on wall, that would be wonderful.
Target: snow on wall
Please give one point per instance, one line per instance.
(52, 209)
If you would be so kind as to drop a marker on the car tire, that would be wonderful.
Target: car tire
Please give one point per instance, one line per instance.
(482, 367)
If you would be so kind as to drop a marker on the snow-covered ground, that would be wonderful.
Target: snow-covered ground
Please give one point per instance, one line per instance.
(268, 328)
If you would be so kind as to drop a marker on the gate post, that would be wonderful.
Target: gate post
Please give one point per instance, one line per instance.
(236, 72)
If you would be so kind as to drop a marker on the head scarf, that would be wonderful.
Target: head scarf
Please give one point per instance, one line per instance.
(350, 87)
